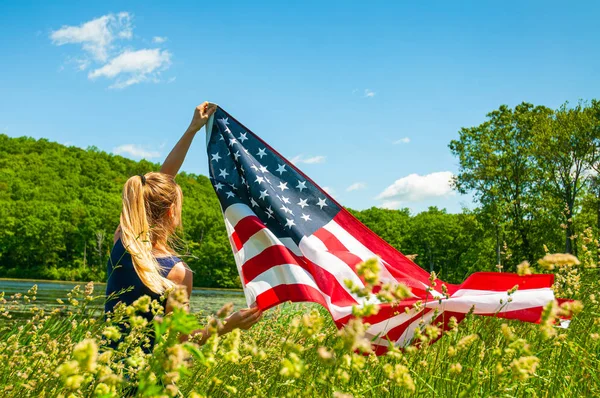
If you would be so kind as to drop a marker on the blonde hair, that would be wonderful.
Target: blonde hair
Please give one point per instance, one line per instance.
(151, 214)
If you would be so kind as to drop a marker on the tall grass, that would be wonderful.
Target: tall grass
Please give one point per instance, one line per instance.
(297, 351)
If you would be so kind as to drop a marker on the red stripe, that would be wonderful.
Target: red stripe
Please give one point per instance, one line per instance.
(295, 292)
(277, 255)
(247, 227)
(337, 248)
(501, 282)
(236, 242)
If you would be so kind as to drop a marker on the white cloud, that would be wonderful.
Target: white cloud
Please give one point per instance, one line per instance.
(99, 40)
(329, 191)
(404, 140)
(415, 188)
(308, 160)
(131, 67)
(136, 151)
(391, 204)
(369, 93)
(96, 36)
(356, 186)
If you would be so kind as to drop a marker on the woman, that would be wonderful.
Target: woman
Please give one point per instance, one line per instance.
(142, 259)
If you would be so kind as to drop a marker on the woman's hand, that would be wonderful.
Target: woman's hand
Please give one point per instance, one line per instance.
(243, 319)
(201, 115)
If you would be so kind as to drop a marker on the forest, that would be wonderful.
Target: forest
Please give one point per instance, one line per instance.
(532, 170)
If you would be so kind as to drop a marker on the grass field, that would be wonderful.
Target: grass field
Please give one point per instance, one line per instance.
(297, 351)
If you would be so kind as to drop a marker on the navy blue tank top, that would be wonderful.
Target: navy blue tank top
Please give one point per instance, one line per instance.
(121, 275)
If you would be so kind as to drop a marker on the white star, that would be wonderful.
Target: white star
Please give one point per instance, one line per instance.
(236, 155)
(242, 168)
(242, 137)
(303, 203)
(269, 210)
(281, 169)
(224, 121)
(289, 223)
(269, 215)
(261, 153)
(263, 194)
(253, 202)
(227, 130)
(286, 210)
(305, 217)
(285, 200)
(263, 169)
(267, 180)
(259, 179)
(282, 186)
(223, 173)
(243, 180)
(230, 194)
(247, 151)
(253, 167)
(221, 138)
(215, 156)
(301, 185)
(321, 203)
(232, 141)
(218, 186)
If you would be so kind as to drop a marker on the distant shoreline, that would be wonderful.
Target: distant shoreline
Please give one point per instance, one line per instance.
(224, 289)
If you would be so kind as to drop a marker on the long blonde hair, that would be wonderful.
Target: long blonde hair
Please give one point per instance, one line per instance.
(151, 214)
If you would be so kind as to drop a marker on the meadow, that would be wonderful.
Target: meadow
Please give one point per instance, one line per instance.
(297, 351)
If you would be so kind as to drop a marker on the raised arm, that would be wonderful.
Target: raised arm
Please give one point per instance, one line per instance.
(175, 159)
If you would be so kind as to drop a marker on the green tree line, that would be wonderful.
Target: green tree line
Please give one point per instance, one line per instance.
(532, 170)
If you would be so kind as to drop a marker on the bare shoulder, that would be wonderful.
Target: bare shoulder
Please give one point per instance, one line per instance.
(117, 234)
(181, 274)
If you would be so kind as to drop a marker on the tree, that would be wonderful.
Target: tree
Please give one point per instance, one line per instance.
(566, 144)
(497, 165)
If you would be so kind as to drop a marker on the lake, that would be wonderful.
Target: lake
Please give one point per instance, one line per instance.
(204, 301)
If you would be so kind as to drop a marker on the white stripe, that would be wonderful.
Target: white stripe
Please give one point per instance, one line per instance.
(487, 302)
(290, 274)
(358, 249)
(316, 251)
(408, 334)
(382, 328)
(236, 212)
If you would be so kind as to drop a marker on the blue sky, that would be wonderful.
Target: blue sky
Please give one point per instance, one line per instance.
(364, 96)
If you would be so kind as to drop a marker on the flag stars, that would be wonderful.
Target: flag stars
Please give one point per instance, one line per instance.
(285, 200)
(305, 217)
(253, 202)
(283, 186)
(242, 137)
(321, 203)
(281, 169)
(237, 155)
(303, 203)
(218, 186)
(261, 152)
(225, 121)
(301, 185)
(289, 223)
(216, 157)
(230, 194)
(263, 169)
(223, 173)
(253, 167)
(232, 141)
(259, 179)
(263, 194)
(287, 210)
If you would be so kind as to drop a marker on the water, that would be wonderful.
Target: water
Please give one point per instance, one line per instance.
(203, 301)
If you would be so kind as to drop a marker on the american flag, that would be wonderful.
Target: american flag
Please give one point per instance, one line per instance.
(293, 242)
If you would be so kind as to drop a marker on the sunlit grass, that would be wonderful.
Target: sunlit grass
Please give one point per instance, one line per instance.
(296, 351)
